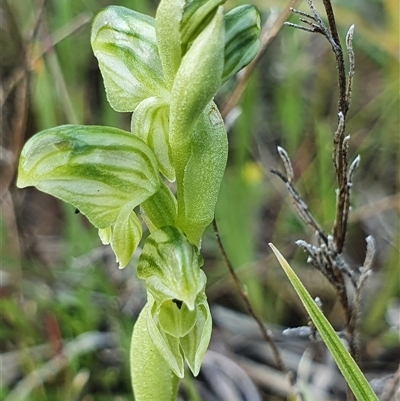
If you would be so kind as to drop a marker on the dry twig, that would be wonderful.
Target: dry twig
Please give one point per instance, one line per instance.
(326, 256)
(266, 334)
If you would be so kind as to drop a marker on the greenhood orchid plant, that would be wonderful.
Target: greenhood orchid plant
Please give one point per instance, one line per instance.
(166, 71)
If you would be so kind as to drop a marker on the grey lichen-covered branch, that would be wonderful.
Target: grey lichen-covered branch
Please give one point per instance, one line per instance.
(315, 24)
(327, 255)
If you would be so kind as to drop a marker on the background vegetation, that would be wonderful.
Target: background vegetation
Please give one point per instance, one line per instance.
(67, 312)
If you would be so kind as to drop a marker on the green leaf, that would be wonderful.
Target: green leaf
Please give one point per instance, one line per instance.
(198, 189)
(195, 84)
(124, 42)
(350, 370)
(150, 122)
(152, 378)
(168, 18)
(104, 172)
(242, 31)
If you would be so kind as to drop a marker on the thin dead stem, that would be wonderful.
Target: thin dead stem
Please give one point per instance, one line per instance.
(299, 205)
(340, 149)
(326, 256)
(19, 73)
(365, 272)
(266, 334)
(392, 387)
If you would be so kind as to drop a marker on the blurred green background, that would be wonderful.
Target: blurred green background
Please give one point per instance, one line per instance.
(67, 312)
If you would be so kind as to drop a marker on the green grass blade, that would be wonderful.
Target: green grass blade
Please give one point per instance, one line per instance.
(350, 370)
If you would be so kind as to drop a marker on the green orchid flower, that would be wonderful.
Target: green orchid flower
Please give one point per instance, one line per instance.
(104, 172)
(177, 314)
(166, 71)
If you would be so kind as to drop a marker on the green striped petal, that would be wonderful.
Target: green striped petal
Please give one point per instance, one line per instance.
(242, 31)
(170, 265)
(124, 42)
(197, 14)
(123, 236)
(126, 235)
(150, 122)
(99, 170)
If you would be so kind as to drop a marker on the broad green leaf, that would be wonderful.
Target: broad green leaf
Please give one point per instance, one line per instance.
(170, 265)
(168, 18)
(242, 31)
(199, 187)
(160, 209)
(195, 84)
(99, 170)
(350, 370)
(152, 378)
(124, 43)
(197, 14)
(150, 122)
